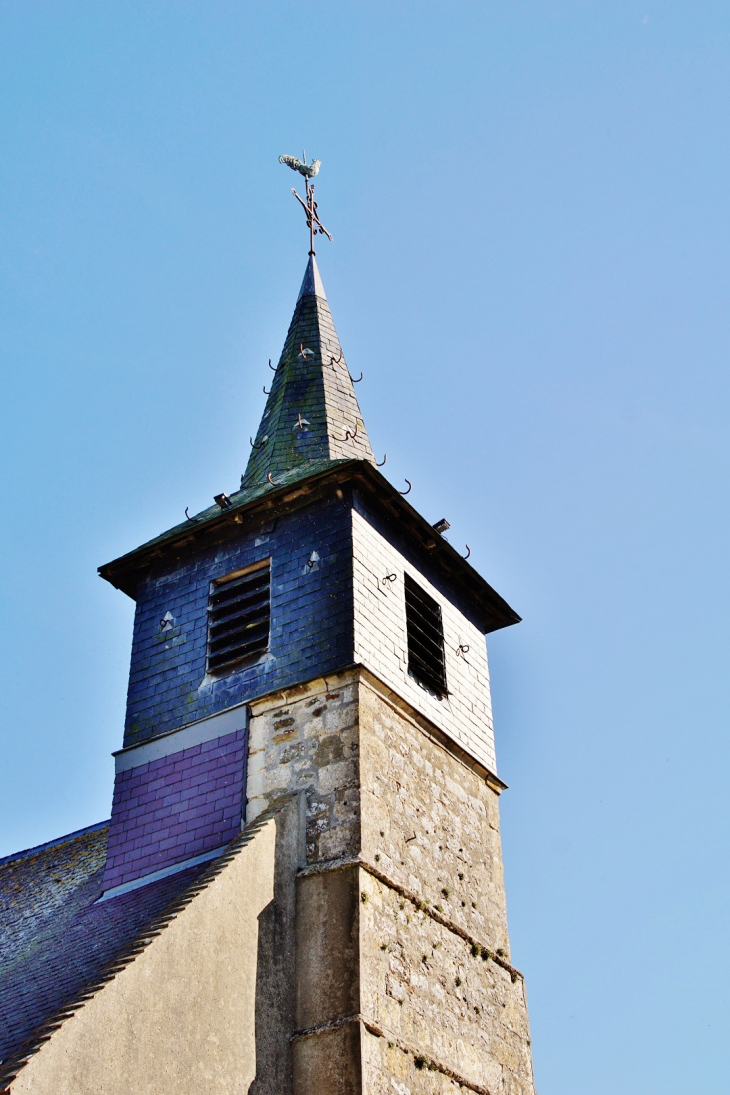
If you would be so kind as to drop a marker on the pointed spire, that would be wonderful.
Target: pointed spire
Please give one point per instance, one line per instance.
(312, 282)
(312, 413)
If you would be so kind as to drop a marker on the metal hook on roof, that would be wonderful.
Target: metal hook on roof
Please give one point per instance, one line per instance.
(379, 465)
(462, 650)
(271, 366)
(304, 351)
(188, 515)
(351, 436)
(265, 392)
(352, 378)
(409, 487)
(254, 446)
(268, 476)
(388, 578)
(334, 362)
(468, 552)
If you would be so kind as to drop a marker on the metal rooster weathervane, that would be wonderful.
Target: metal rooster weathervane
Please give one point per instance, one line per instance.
(308, 170)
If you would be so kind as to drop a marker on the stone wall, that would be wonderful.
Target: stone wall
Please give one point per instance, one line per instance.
(443, 1005)
(404, 977)
(435, 973)
(306, 740)
(430, 821)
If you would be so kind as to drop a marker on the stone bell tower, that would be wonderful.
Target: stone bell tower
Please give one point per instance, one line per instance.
(304, 847)
(330, 643)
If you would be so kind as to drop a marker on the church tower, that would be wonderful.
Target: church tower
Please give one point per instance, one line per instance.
(308, 785)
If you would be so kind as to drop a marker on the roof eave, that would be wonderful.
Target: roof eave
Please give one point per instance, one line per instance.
(119, 570)
(445, 557)
(495, 612)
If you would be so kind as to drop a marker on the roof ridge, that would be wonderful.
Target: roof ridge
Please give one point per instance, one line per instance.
(10, 1068)
(14, 856)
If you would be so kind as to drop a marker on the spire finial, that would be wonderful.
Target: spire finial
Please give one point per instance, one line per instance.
(308, 170)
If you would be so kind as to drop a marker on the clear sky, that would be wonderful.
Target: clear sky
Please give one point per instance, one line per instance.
(530, 209)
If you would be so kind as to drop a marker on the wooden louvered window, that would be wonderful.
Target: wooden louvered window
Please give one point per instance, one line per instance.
(425, 638)
(239, 613)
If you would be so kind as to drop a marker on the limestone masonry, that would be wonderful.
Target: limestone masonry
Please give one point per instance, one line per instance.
(300, 889)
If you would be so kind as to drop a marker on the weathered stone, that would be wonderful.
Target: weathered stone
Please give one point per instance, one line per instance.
(402, 944)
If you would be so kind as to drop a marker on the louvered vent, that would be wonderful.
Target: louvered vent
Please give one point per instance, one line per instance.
(238, 618)
(425, 638)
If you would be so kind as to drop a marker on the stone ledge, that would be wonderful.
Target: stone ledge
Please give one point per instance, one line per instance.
(420, 1059)
(356, 861)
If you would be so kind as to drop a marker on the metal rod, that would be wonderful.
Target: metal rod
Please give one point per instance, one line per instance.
(314, 224)
(310, 218)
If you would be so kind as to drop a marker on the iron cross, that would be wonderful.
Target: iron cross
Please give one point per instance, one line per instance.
(314, 224)
(309, 206)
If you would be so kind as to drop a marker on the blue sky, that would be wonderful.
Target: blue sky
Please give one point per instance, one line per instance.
(530, 209)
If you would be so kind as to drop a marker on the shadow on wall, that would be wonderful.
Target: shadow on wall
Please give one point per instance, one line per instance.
(275, 1013)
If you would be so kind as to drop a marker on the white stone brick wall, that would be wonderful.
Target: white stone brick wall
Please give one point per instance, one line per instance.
(381, 644)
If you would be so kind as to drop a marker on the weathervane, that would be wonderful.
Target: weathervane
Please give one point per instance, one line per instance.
(308, 170)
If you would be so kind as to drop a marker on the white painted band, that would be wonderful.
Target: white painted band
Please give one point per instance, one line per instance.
(164, 872)
(195, 733)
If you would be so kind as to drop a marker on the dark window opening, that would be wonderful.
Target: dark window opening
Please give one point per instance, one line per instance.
(239, 613)
(425, 638)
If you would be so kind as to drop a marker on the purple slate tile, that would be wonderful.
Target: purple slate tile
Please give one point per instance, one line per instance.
(166, 808)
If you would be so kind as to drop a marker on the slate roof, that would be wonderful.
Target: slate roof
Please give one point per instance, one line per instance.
(239, 500)
(312, 413)
(58, 946)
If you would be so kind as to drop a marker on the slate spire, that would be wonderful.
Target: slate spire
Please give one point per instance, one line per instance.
(312, 414)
